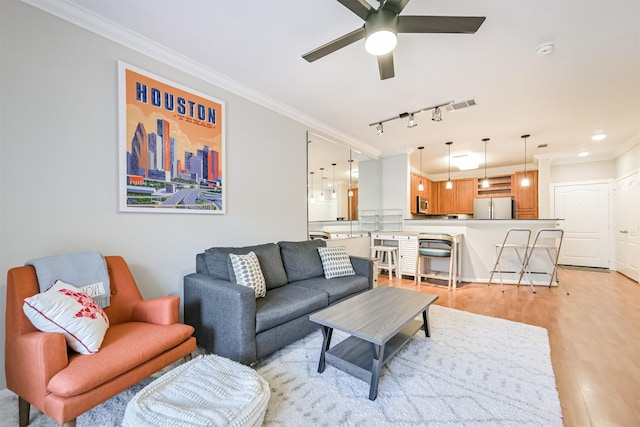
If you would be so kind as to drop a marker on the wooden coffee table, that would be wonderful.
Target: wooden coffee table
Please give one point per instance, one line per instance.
(379, 322)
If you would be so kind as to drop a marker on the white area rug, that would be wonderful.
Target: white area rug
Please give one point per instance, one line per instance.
(473, 371)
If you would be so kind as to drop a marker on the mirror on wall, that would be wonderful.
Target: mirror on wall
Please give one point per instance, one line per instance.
(332, 181)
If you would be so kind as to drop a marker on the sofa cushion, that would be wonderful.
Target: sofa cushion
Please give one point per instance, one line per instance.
(287, 303)
(336, 288)
(246, 268)
(336, 262)
(301, 259)
(142, 341)
(217, 260)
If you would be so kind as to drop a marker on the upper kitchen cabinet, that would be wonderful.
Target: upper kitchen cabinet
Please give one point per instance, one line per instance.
(465, 191)
(447, 198)
(526, 197)
(499, 186)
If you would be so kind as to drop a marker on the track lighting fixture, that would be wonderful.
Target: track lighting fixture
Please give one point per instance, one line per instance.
(321, 183)
(333, 185)
(412, 121)
(449, 184)
(525, 178)
(436, 116)
(485, 181)
(420, 186)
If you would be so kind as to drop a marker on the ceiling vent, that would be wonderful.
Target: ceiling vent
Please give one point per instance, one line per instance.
(460, 105)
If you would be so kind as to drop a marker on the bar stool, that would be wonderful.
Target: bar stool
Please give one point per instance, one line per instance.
(516, 240)
(387, 258)
(548, 240)
(435, 246)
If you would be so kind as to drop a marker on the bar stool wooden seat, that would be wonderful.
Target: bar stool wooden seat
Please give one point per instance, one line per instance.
(387, 258)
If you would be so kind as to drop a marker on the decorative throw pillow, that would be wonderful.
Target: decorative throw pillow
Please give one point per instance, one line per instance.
(248, 273)
(336, 262)
(64, 309)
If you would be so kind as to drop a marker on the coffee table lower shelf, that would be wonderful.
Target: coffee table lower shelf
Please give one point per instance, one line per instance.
(356, 356)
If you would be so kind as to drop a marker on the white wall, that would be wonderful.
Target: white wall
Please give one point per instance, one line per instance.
(59, 151)
(628, 162)
(395, 183)
(591, 171)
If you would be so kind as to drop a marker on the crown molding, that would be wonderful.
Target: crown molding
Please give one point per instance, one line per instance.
(110, 30)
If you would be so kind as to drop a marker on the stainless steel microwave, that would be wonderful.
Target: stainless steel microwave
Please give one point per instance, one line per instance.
(422, 205)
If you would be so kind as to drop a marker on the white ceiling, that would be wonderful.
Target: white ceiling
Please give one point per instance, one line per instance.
(589, 84)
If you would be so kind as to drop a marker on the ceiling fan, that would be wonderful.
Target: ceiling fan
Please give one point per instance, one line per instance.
(382, 25)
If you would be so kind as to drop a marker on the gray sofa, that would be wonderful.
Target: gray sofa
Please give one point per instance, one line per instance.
(230, 321)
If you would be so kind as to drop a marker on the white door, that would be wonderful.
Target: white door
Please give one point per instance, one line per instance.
(585, 209)
(627, 204)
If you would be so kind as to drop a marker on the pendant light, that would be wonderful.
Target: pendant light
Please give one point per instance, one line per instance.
(333, 185)
(449, 185)
(485, 181)
(525, 179)
(321, 183)
(420, 186)
(311, 197)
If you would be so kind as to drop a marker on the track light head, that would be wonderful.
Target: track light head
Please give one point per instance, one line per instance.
(436, 116)
(412, 121)
(380, 129)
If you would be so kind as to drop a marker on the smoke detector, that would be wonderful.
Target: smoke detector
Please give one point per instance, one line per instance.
(544, 49)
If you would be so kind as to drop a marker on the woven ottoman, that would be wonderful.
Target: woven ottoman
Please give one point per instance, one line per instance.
(206, 391)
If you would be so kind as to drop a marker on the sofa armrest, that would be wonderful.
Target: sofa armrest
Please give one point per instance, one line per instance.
(364, 267)
(159, 311)
(34, 358)
(223, 315)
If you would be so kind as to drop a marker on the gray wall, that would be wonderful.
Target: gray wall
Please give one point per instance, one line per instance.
(59, 151)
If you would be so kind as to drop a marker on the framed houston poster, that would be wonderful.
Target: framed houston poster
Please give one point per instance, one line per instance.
(172, 146)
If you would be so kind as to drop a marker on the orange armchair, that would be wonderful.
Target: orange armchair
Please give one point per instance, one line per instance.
(143, 337)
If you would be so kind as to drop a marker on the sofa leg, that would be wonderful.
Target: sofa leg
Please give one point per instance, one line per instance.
(23, 412)
(70, 423)
(188, 357)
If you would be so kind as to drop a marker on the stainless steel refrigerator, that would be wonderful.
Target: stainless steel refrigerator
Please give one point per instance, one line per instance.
(494, 208)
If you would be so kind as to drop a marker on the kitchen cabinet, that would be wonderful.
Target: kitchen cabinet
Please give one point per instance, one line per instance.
(446, 198)
(465, 191)
(499, 186)
(526, 197)
(427, 193)
(407, 249)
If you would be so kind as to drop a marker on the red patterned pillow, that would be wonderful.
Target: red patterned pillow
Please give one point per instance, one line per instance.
(64, 309)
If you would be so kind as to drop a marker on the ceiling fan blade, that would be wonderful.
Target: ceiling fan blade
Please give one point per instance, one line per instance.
(385, 66)
(359, 7)
(395, 6)
(334, 45)
(439, 24)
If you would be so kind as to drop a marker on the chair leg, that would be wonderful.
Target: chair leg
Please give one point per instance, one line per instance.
(23, 412)
(451, 259)
(70, 423)
(188, 357)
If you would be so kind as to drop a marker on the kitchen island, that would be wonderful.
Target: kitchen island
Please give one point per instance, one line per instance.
(477, 252)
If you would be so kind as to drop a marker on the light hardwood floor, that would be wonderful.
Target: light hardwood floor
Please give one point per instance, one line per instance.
(594, 334)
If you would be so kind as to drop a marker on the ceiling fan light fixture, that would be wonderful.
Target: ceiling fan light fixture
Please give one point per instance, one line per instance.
(381, 42)
(380, 29)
